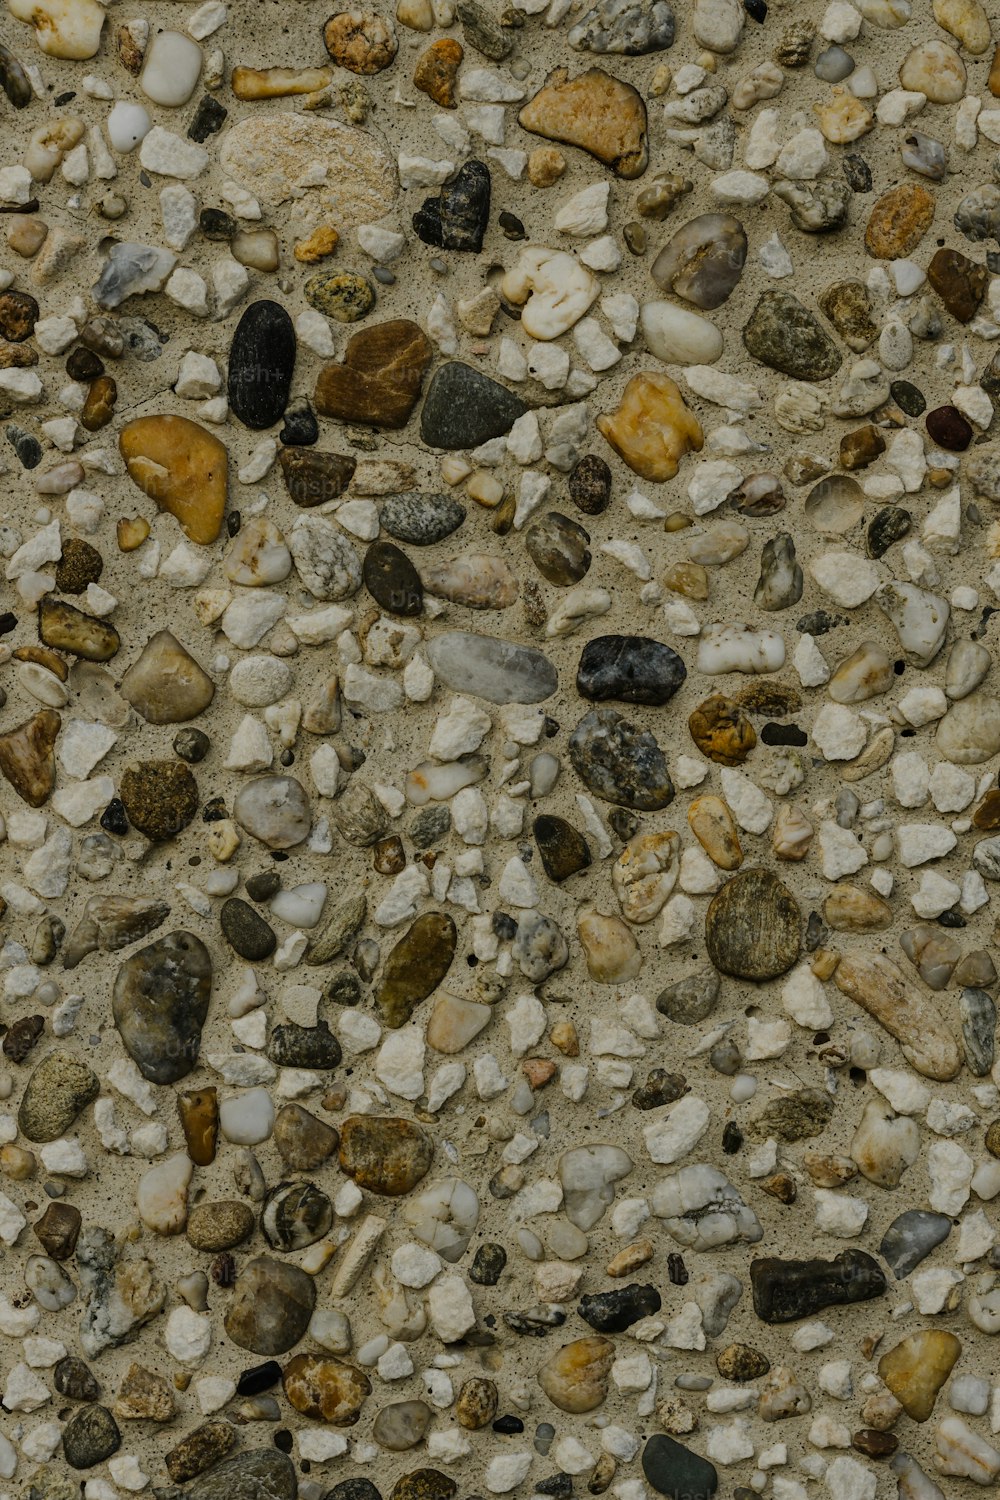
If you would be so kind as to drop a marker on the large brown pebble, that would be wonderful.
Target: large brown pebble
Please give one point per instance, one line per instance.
(597, 112)
(753, 927)
(899, 221)
(182, 467)
(379, 379)
(271, 1306)
(959, 282)
(385, 1155)
(325, 1389)
(220, 1226)
(721, 731)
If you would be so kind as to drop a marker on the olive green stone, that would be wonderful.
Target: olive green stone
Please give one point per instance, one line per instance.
(344, 296)
(416, 966)
(797, 1116)
(58, 1089)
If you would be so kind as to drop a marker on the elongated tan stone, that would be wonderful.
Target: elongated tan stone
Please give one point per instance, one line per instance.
(652, 428)
(276, 83)
(875, 983)
(712, 824)
(183, 467)
(917, 1368)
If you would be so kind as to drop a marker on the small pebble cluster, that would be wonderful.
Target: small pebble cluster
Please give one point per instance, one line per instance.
(499, 742)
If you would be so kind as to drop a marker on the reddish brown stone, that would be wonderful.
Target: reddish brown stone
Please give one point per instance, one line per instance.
(959, 282)
(379, 381)
(899, 221)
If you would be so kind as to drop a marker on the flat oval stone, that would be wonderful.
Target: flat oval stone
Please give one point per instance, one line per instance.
(270, 1310)
(160, 797)
(260, 1474)
(219, 1226)
(166, 685)
(315, 478)
(274, 809)
(676, 1471)
(246, 931)
(296, 1215)
(475, 579)
(703, 261)
(384, 1154)
(416, 966)
(89, 1437)
(314, 1047)
(753, 927)
(497, 671)
(59, 1087)
(420, 519)
(464, 408)
(401, 1425)
(379, 380)
(575, 1378)
(159, 1003)
(261, 364)
(785, 335)
(558, 546)
(590, 485)
(392, 580)
(66, 628)
(947, 427)
(630, 669)
(899, 221)
(620, 763)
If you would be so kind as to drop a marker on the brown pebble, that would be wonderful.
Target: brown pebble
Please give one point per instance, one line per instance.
(199, 1115)
(79, 565)
(18, 314)
(949, 429)
(959, 282)
(437, 69)
(721, 731)
(861, 447)
(899, 221)
(58, 1228)
(99, 406)
(875, 1444)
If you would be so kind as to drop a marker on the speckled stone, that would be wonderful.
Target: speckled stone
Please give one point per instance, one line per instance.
(753, 927)
(384, 1155)
(619, 762)
(59, 1087)
(160, 1002)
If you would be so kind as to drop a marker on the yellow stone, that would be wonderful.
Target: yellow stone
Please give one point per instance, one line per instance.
(917, 1368)
(842, 117)
(183, 467)
(713, 826)
(652, 429)
(967, 21)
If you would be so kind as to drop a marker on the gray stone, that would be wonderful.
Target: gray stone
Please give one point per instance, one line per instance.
(269, 1313)
(786, 336)
(420, 519)
(979, 1024)
(58, 1089)
(911, 1237)
(496, 670)
(626, 27)
(619, 762)
(160, 1002)
(260, 1474)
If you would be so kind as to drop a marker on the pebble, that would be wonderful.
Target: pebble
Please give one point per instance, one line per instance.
(753, 927)
(384, 1155)
(596, 112)
(270, 1307)
(59, 1087)
(419, 519)
(379, 380)
(619, 762)
(464, 408)
(160, 1002)
(629, 669)
(182, 467)
(457, 218)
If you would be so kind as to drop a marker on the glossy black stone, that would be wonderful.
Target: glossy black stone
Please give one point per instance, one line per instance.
(908, 398)
(300, 429)
(114, 819)
(216, 224)
(246, 931)
(618, 1309)
(487, 1264)
(261, 364)
(457, 218)
(259, 1378)
(209, 118)
(786, 1290)
(392, 580)
(630, 669)
(675, 1471)
(783, 734)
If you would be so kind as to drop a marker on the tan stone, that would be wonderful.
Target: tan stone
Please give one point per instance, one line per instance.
(917, 1368)
(935, 69)
(721, 731)
(455, 1022)
(967, 21)
(278, 83)
(906, 1013)
(843, 118)
(599, 113)
(851, 909)
(712, 824)
(26, 757)
(272, 155)
(63, 28)
(576, 1377)
(325, 1389)
(645, 873)
(183, 467)
(652, 429)
(610, 949)
(437, 69)
(166, 685)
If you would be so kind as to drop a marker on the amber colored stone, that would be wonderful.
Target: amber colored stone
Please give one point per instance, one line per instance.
(379, 380)
(437, 69)
(58, 1228)
(199, 1115)
(325, 1389)
(861, 447)
(538, 1071)
(66, 628)
(875, 1444)
(50, 660)
(597, 112)
(575, 1378)
(987, 814)
(317, 246)
(652, 428)
(959, 282)
(26, 757)
(993, 82)
(917, 1368)
(899, 221)
(182, 467)
(131, 532)
(721, 731)
(99, 406)
(713, 826)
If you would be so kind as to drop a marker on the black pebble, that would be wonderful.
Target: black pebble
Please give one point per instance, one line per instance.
(590, 485)
(488, 1263)
(890, 525)
(353, 1489)
(732, 1138)
(614, 1311)
(301, 429)
(392, 580)
(457, 218)
(113, 818)
(260, 1378)
(506, 1426)
(783, 734)
(216, 224)
(261, 364)
(84, 364)
(560, 1486)
(756, 10)
(262, 887)
(27, 448)
(677, 1271)
(512, 226)
(191, 745)
(908, 398)
(858, 173)
(209, 118)
(819, 622)
(246, 931)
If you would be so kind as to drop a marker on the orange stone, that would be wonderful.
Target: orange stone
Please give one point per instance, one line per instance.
(325, 1389)
(437, 69)
(899, 221)
(652, 428)
(183, 467)
(597, 112)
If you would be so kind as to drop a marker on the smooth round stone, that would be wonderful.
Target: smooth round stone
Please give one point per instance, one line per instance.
(247, 1118)
(630, 669)
(949, 429)
(392, 580)
(677, 336)
(464, 408)
(703, 261)
(72, 1378)
(677, 1472)
(935, 69)
(160, 798)
(401, 1425)
(256, 681)
(271, 1307)
(89, 1437)
(899, 220)
(127, 125)
(620, 763)
(590, 485)
(246, 931)
(558, 546)
(753, 927)
(160, 1002)
(385, 1155)
(908, 398)
(575, 1378)
(296, 1214)
(260, 1473)
(57, 1090)
(563, 850)
(833, 65)
(219, 1226)
(274, 809)
(261, 365)
(344, 296)
(689, 1001)
(171, 68)
(421, 520)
